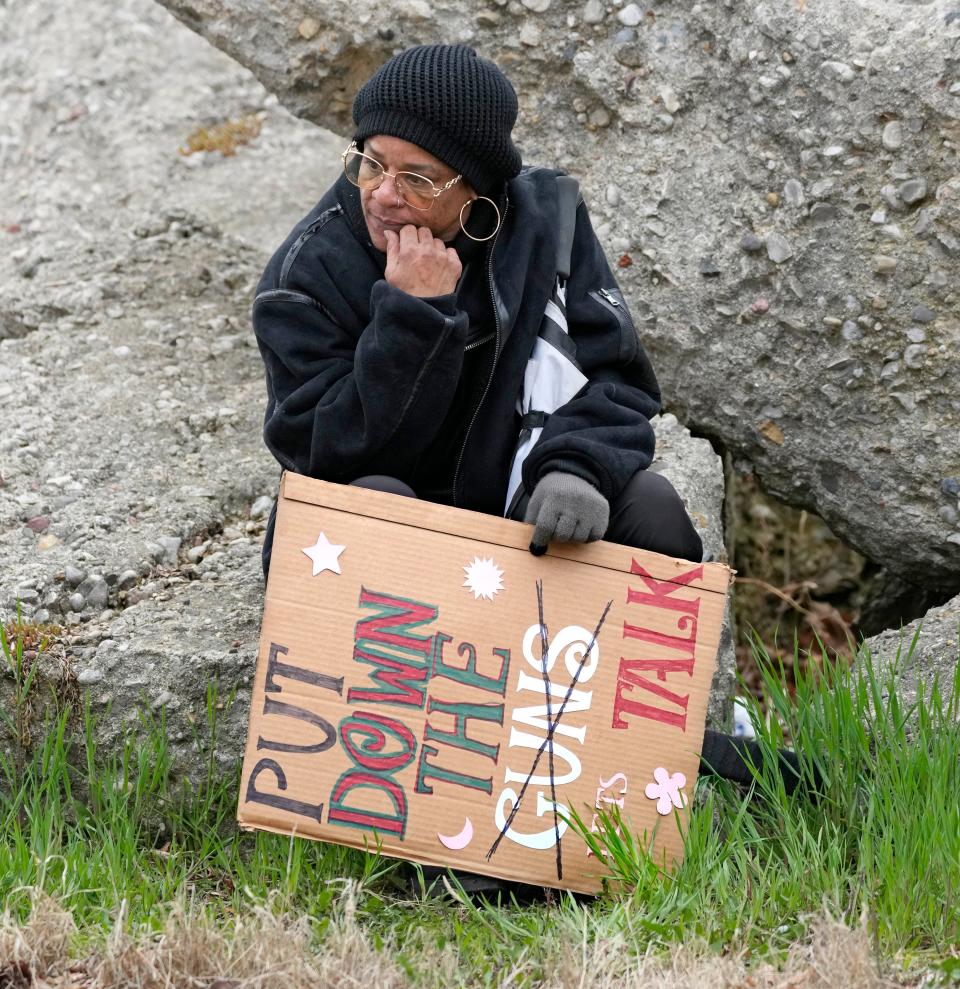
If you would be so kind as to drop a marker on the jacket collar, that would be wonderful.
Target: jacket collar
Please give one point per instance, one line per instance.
(524, 251)
(348, 195)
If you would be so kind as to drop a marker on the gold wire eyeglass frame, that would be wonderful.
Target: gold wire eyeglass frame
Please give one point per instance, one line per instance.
(352, 150)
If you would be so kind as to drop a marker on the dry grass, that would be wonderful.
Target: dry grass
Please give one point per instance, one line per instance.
(260, 951)
(39, 948)
(836, 955)
(225, 137)
(36, 679)
(265, 951)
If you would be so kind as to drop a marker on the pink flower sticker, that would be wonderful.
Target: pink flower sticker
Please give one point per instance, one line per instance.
(666, 790)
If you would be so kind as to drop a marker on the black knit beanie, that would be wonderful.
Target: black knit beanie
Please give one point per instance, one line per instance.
(448, 101)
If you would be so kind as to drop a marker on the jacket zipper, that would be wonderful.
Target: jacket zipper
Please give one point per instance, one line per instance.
(496, 352)
(480, 342)
(611, 303)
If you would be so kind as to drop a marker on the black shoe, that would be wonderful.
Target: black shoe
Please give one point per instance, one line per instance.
(428, 881)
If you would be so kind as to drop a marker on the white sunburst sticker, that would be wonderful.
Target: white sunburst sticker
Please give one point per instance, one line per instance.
(484, 578)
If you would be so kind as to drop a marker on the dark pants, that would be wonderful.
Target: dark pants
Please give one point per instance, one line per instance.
(647, 514)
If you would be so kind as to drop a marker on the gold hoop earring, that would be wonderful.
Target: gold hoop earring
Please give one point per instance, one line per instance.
(464, 229)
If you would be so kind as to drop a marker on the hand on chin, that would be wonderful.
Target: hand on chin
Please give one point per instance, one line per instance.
(375, 228)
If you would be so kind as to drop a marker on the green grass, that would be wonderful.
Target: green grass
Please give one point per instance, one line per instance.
(879, 837)
(105, 832)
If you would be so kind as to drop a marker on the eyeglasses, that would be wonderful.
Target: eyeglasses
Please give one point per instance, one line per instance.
(416, 191)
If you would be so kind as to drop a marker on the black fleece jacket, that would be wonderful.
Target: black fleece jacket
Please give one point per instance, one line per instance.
(361, 376)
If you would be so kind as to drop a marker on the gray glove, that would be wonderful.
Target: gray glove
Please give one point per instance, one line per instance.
(566, 508)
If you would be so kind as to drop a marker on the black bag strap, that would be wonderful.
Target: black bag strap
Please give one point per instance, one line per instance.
(568, 198)
(534, 420)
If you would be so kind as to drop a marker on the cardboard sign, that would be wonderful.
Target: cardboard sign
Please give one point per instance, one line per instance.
(427, 686)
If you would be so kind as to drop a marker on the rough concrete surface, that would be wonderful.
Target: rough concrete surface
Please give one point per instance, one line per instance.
(935, 655)
(782, 182)
(134, 484)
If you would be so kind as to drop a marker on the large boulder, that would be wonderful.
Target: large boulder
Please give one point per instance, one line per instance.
(136, 426)
(135, 487)
(916, 654)
(134, 484)
(781, 184)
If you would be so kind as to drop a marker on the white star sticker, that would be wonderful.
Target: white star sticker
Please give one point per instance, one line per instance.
(484, 578)
(325, 555)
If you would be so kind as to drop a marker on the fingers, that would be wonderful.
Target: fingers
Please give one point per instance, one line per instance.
(453, 259)
(420, 263)
(587, 532)
(414, 236)
(581, 532)
(426, 237)
(543, 531)
(552, 525)
(565, 509)
(420, 239)
(564, 529)
(533, 508)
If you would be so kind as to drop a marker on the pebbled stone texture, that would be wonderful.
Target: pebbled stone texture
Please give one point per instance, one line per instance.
(936, 653)
(828, 133)
(134, 485)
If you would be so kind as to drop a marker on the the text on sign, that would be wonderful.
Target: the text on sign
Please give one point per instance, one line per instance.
(643, 687)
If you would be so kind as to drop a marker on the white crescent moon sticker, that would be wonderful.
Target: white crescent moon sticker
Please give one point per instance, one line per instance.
(458, 841)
